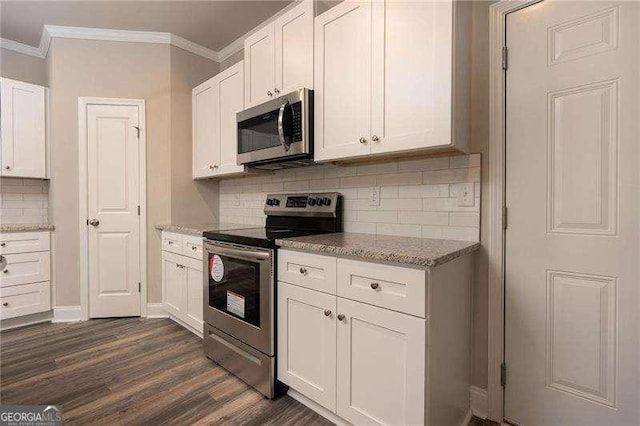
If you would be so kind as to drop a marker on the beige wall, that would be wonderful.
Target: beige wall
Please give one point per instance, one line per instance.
(85, 68)
(18, 66)
(191, 202)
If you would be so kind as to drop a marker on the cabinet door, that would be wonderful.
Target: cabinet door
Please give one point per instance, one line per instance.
(22, 124)
(307, 343)
(231, 101)
(174, 281)
(342, 81)
(259, 63)
(411, 82)
(294, 49)
(381, 365)
(204, 110)
(194, 293)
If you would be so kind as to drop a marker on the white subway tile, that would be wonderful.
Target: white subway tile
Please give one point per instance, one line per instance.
(461, 234)
(412, 178)
(464, 219)
(471, 174)
(11, 212)
(446, 205)
(10, 197)
(357, 181)
(401, 204)
(324, 184)
(359, 227)
(424, 218)
(378, 216)
(300, 185)
(423, 191)
(338, 172)
(398, 229)
(307, 173)
(377, 168)
(389, 192)
(459, 161)
(272, 187)
(423, 164)
(41, 197)
(429, 231)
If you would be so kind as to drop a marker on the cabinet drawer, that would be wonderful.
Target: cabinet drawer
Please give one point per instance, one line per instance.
(392, 287)
(25, 299)
(313, 271)
(25, 268)
(172, 242)
(192, 247)
(23, 242)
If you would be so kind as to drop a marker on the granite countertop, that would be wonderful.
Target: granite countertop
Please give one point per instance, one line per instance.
(199, 228)
(407, 250)
(26, 227)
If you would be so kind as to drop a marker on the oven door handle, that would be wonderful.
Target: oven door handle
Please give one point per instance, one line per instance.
(281, 135)
(247, 254)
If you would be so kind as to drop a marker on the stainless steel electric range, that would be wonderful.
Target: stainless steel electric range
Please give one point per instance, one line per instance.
(240, 284)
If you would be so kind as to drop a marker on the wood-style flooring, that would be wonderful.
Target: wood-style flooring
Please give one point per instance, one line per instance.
(132, 371)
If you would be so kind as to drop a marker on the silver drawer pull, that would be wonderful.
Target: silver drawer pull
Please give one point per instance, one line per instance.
(3, 244)
(303, 271)
(375, 286)
(5, 304)
(327, 312)
(6, 271)
(340, 317)
(170, 243)
(194, 248)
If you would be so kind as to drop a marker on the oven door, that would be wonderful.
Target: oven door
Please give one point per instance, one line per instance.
(238, 293)
(276, 129)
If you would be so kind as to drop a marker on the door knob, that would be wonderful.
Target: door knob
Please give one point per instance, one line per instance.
(363, 140)
(340, 317)
(94, 222)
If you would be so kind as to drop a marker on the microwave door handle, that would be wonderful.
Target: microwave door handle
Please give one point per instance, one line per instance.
(283, 141)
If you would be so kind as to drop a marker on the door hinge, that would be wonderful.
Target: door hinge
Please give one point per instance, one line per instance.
(503, 374)
(505, 57)
(138, 210)
(139, 288)
(505, 212)
(138, 129)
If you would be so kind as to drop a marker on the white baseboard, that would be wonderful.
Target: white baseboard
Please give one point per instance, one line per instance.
(9, 323)
(67, 314)
(156, 310)
(479, 402)
(316, 407)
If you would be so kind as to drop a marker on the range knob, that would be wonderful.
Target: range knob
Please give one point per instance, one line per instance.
(312, 201)
(318, 201)
(327, 201)
(269, 201)
(276, 202)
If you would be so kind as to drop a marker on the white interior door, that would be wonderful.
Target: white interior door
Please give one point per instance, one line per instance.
(113, 187)
(572, 193)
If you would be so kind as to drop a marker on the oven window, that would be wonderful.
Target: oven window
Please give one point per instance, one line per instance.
(234, 287)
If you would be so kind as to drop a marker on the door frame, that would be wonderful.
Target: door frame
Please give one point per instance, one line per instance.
(83, 104)
(496, 201)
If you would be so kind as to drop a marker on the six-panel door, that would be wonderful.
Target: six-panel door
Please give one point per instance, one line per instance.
(381, 365)
(307, 342)
(22, 127)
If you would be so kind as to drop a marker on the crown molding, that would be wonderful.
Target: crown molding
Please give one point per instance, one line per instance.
(25, 49)
(194, 48)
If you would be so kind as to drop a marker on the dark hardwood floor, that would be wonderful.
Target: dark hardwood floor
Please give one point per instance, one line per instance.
(132, 371)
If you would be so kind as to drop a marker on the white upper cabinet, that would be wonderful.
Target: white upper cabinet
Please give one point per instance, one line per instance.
(391, 77)
(342, 114)
(215, 104)
(279, 57)
(22, 123)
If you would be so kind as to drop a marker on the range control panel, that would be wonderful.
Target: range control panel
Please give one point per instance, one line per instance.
(320, 204)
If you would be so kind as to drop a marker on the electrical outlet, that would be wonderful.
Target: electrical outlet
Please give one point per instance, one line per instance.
(374, 196)
(466, 197)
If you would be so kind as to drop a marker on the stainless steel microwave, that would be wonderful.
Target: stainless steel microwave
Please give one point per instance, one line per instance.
(278, 133)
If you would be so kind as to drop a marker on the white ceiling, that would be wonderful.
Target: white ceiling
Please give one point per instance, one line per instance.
(211, 23)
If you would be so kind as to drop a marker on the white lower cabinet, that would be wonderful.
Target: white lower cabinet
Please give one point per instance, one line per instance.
(182, 284)
(388, 345)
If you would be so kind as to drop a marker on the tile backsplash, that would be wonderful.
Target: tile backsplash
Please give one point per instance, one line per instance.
(24, 200)
(418, 197)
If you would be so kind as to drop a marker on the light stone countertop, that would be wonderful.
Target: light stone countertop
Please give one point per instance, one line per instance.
(26, 227)
(406, 250)
(199, 228)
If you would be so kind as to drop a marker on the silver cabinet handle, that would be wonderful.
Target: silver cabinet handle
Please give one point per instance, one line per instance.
(94, 222)
(327, 312)
(269, 93)
(194, 248)
(375, 285)
(3, 244)
(7, 167)
(6, 271)
(5, 304)
(211, 166)
(363, 140)
(340, 317)
(276, 90)
(303, 271)
(375, 138)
